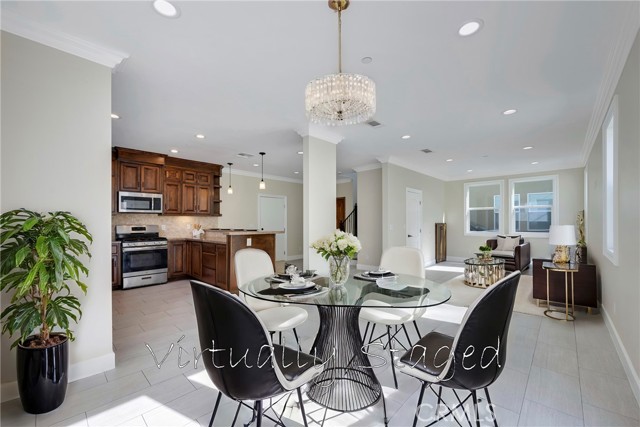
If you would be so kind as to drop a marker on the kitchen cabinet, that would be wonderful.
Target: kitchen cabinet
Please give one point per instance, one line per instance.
(114, 184)
(177, 258)
(116, 275)
(195, 259)
(221, 265)
(172, 197)
(209, 263)
(138, 177)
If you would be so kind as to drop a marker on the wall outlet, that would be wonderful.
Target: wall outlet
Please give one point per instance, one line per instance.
(248, 241)
(163, 227)
(189, 226)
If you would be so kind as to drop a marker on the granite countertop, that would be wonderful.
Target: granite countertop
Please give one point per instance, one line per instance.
(220, 235)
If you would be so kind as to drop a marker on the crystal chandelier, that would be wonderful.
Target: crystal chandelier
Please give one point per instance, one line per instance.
(340, 99)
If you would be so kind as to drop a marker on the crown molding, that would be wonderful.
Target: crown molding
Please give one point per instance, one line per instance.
(397, 162)
(320, 132)
(369, 167)
(271, 177)
(614, 67)
(23, 27)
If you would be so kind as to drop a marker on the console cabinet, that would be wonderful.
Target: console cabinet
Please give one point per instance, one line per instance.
(584, 285)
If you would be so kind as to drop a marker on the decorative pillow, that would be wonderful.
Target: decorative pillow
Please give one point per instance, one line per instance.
(507, 243)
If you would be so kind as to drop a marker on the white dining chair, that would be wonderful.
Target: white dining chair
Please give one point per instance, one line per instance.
(252, 264)
(399, 260)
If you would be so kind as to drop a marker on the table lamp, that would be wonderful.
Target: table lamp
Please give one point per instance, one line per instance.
(562, 236)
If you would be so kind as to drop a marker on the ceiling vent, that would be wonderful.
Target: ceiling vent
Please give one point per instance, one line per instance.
(426, 151)
(374, 124)
(245, 155)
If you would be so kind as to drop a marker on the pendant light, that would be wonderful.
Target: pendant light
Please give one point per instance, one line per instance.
(230, 189)
(262, 184)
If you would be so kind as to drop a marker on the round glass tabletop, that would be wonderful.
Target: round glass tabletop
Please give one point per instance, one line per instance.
(400, 291)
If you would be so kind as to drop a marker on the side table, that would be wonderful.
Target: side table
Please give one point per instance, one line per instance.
(482, 273)
(566, 269)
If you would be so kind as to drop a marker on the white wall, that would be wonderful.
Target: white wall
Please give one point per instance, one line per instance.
(370, 217)
(620, 291)
(240, 209)
(56, 155)
(396, 180)
(570, 201)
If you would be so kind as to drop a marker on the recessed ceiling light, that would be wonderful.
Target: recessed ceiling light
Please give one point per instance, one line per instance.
(173, 150)
(534, 163)
(114, 116)
(296, 172)
(255, 165)
(164, 8)
(449, 160)
(366, 60)
(469, 170)
(484, 156)
(199, 136)
(527, 147)
(509, 112)
(339, 172)
(301, 152)
(406, 136)
(470, 27)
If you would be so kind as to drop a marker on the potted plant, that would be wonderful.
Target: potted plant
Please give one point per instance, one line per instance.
(41, 258)
(486, 251)
(338, 248)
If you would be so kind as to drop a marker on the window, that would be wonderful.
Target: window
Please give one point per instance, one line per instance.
(610, 182)
(483, 207)
(534, 218)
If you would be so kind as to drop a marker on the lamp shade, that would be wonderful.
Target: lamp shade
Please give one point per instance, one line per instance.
(562, 235)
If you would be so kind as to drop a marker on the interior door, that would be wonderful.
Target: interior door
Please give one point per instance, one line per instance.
(414, 218)
(273, 217)
(340, 210)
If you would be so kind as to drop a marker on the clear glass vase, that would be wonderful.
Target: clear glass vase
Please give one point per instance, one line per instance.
(339, 269)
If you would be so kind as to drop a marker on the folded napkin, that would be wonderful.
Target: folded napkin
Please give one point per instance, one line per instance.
(281, 291)
(373, 277)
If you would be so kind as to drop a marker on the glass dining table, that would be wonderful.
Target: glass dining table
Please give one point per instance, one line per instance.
(348, 382)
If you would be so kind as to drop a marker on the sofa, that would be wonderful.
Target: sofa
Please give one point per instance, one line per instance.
(518, 259)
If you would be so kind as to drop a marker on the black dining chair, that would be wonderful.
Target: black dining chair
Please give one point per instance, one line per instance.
(239, 356)
(474, 358)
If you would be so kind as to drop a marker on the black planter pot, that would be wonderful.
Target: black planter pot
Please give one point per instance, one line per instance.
(42, 376)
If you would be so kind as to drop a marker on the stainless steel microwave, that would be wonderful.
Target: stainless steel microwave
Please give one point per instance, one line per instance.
(139, 202)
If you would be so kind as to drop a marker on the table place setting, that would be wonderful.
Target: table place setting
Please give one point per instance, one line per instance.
(293, 284)
(374, 275)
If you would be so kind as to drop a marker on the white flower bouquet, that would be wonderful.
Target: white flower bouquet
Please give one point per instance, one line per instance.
(338, 244)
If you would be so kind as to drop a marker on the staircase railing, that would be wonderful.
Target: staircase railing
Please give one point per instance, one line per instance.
(350, 223)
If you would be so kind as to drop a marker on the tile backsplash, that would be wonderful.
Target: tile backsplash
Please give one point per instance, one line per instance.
(175, 226)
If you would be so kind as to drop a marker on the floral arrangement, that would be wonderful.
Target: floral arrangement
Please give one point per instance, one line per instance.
(338, 244)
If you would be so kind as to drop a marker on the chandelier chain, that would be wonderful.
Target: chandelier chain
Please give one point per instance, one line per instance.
(339, 38)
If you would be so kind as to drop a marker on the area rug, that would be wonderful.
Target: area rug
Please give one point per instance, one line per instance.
(463, 295)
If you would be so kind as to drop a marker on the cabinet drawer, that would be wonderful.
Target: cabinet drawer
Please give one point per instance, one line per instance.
(208, 260)
(209, 248)
(208, 275)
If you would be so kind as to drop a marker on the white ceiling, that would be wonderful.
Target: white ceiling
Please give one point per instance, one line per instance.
(236, 72)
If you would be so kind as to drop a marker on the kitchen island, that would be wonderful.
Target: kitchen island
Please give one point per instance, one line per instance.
(210, 258)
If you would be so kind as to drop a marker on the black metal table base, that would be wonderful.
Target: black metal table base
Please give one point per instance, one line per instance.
(348, 382)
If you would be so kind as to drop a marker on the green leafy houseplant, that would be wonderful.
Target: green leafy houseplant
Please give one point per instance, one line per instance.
(40, 260)
(485, 248)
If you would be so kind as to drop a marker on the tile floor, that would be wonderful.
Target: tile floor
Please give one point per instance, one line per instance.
(557, 374)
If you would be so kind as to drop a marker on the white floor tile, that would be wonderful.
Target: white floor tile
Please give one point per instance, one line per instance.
(555, 390)
(610, 393)
(536, 415)
(555, 358)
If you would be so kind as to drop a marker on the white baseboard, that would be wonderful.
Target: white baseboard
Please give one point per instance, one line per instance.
(430, 262)
(456, 258)
(77, 371)
(632, 375)
(9, 391)
(293, 257)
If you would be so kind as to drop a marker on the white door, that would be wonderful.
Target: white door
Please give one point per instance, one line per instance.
(272, 216)
(414, 218)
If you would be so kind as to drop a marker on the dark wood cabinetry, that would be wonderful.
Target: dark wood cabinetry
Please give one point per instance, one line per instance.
(139, 177)
(585, 285)
(209, 263)
(116, 276)
(195, 259)
(441, 242)
(114, 184)
(221, 265)
(188, 187)
(177, 259)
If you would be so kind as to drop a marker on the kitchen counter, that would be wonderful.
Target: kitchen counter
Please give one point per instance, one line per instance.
(220, 236)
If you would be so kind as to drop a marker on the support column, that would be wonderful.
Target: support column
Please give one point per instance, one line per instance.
(319, 194)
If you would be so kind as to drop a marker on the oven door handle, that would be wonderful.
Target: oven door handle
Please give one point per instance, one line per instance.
(143, 248)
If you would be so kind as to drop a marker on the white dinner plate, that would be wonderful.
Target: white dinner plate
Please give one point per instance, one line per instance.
(297, 286)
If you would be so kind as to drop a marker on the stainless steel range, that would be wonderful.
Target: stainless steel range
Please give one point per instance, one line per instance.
(144, 255)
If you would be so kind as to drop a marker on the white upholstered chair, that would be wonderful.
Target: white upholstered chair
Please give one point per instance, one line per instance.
(254, 263)
(399, 260)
